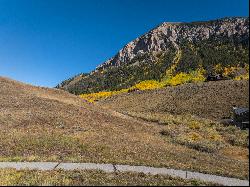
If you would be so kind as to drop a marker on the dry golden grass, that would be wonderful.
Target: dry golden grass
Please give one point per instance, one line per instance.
(38, 124)
(211, 100)
(201, 134)
(89, 178)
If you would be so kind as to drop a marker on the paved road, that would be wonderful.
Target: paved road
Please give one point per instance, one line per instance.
(124, 168)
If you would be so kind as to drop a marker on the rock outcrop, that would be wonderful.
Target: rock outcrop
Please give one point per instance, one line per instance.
(172, 34)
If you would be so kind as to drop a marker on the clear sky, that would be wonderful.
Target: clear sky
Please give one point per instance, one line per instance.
(43, 42)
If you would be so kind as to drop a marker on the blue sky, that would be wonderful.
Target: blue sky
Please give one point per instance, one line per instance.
(43, 42)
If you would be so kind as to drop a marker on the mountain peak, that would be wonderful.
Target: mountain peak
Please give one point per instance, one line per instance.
(172, 33)
(204, 43)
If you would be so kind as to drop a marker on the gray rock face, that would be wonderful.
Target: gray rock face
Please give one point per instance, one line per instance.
(172, 34)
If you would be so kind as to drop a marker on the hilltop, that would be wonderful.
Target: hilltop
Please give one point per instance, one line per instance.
(217, 46)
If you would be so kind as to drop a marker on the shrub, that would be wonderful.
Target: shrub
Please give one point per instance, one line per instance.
(204, 146)
(148, 85)
(166, 132)
(242, 77)
(96, 96)
(214, 136)
(194, 125)
(178, 79)
(218, 69)
(92, 97)
(237, 140)
(233, 136)
(230, 71)
(197, 142)
(182, 78)
(198, 75)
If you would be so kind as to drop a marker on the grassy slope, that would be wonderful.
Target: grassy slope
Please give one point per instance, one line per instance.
(52, 125)
(212, 100)
(87, 178)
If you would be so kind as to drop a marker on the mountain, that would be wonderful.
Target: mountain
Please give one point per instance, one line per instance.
(179, 47)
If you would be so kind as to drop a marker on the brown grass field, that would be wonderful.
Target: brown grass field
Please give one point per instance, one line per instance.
(210, 100)
(41, 124)
(90, 178)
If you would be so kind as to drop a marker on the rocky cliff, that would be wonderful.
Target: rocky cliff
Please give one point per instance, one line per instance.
(172, 34)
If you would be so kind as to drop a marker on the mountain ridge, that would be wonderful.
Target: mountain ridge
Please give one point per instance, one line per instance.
(163, 43)
(165, 25)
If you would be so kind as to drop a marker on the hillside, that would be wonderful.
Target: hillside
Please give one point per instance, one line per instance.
(171, 48)
(41, 124)
(211, 100)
